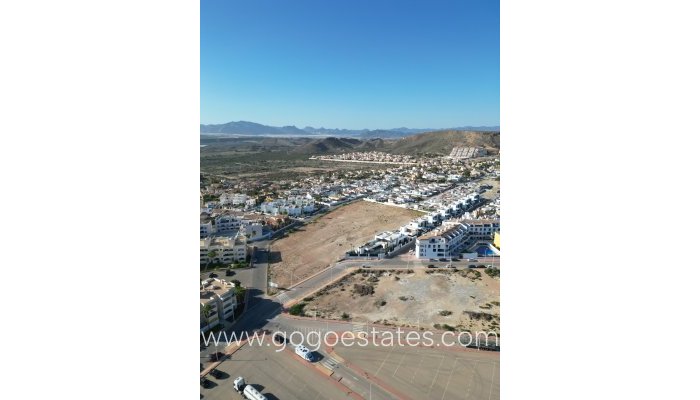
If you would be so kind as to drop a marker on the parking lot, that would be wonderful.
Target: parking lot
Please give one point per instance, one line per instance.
(429, 373)
(281, 375)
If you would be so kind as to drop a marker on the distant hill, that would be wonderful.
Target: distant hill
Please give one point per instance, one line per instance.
(250, 128)
(442, 142)
(254, 129)
(330, 145)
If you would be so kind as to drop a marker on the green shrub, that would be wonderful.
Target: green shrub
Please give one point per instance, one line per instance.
(297, 309)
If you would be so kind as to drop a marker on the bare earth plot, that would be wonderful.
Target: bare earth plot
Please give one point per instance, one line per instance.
(468, 299)
(429, 373)
(324, 241)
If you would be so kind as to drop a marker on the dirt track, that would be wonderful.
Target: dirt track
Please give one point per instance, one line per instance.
(324, 241)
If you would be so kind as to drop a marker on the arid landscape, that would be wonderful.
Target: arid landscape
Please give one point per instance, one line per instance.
(325, 240)
(466, 299)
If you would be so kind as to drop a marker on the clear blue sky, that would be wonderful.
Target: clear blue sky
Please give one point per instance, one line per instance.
(350, 64)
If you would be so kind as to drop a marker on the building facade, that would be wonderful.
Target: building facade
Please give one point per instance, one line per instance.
(217, 299)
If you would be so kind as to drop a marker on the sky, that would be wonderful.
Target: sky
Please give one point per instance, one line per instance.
(351, 64)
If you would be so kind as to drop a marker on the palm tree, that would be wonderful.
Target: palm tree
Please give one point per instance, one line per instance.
(206, 311)
(211, 255)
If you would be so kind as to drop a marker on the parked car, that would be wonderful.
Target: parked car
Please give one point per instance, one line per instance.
(431, 265)
(280, 339)
(230, 272)
(216, 356)
(365, 266)
(213, 275)
(217, 374)
(472, 266)
(455, 259)
(443, 259)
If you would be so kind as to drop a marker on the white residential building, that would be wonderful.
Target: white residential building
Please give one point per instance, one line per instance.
(226, 249)
(217, 301)
(481, 229)
(205, 229)
(227, 224)
(442, 243)
(390, 240)
(252, 231)
(232, 199)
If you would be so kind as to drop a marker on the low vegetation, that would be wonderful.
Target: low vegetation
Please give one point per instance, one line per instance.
(363, 289)
(297, 309)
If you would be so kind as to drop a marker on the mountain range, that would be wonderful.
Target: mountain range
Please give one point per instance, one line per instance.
(247, 128)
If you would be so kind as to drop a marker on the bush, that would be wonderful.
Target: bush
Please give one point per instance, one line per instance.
(297, 309)
(448, 327)
(479, 315)
(311, 298)
(380, 303)
(445, 313)
(493, 272)
(403, 298)
(363, 290)
(345, 316)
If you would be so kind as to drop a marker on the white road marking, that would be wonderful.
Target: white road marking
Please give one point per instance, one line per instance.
(398, 366)
(385, 358)
(493, 374)
(437, 371)
(419, 365)
(448, 380)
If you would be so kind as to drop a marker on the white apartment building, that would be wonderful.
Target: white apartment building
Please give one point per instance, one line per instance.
(227, 224)
(226, 249)
(208, 313)
(481, 229)
(216, 296)
(232, 199)
(442, 243)
(205, 229)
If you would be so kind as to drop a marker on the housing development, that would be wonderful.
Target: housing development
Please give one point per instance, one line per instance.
(359, 244)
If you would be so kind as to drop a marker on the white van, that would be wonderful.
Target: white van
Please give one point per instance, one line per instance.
(251, 393)
(304, 353)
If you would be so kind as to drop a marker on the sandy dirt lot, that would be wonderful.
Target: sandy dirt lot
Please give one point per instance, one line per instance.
(325, 240)
(468, 299)
(429, 373)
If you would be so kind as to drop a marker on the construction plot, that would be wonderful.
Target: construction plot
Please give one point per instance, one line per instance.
(446, 299)
(324, 241)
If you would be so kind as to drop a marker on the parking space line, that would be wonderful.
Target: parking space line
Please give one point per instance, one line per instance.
(385, 358)
(449, 379)
(437, 371)
(493, 374)
(399, 366)
(419, 365)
